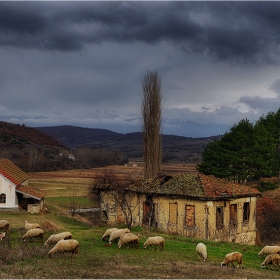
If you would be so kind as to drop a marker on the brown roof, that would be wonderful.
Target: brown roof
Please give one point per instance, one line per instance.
(197, 185)
(12, 172)
(30, 191)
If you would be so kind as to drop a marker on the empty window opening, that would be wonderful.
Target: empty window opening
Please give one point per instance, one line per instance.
(246, 212)
(2, 198)
(219, 217)
(233, 215)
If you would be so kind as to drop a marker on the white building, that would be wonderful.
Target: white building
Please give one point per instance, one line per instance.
(15, 193)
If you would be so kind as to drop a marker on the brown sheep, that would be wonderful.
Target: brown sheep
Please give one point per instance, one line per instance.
(271, 259)
(231, 258)
(5, 225)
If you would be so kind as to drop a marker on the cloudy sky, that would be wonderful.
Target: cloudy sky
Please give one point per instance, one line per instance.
(82, 63)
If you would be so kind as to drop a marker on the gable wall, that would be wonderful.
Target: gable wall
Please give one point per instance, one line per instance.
(8, 189)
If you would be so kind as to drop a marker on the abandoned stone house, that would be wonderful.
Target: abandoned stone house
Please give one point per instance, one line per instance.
(193, 205)
(15, 194)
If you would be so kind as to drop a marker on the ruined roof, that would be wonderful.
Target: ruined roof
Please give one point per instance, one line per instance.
(32, 192)
(12, 172)
(197, 185)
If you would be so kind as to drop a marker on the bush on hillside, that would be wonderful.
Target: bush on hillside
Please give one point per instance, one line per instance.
(268, 221)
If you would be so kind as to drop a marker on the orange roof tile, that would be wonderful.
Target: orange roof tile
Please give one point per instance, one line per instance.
(220, 188)
(12, 172)
(35, 193)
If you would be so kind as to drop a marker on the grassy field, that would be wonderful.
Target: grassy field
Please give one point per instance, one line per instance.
(98, 259)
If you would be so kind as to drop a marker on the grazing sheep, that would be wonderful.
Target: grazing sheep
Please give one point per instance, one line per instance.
(231, 258)
(5, 225)
(267, 250)
(65, 246)
(30, 226)
(107, 233)
(116, 234)
(155, 241)
(129, 239)
(54, 238)
(271, 259)
(33, 233)
(2, 234)
(202, 251)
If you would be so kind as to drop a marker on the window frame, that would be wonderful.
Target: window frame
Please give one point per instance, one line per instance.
(219, 217)
(189, 215)
(3, 198)
(173, 219)
(246, 212)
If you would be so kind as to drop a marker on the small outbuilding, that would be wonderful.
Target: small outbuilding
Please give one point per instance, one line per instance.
(15, 193)
(193, 205)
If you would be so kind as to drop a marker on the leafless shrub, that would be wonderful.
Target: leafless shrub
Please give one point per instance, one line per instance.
(268, 221)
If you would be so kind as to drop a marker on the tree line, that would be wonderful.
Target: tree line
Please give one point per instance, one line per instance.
(248, 152)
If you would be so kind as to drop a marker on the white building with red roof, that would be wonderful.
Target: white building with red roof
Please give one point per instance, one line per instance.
(15, 193)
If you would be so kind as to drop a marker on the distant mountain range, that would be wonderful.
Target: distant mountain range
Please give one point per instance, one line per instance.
(177, 148)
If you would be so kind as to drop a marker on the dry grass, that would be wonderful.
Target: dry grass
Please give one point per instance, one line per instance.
(77, 181)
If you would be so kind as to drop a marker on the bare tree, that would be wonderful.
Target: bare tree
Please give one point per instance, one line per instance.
(151, 111)
(119, 195)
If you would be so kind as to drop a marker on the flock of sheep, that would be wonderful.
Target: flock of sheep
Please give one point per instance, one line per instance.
(62, 242)
(272, 254)
(127, 239)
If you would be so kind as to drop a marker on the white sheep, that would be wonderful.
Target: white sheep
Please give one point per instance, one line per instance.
(233, 257)
(65, 246)
(107, 233)
(33, 233)
(54, 238)
(267, 250)
(271, 259)
(5, 225)
(155, 241)
(202, 251)
(129, 239)
(2, 234)
(116, 234)
(30, 226)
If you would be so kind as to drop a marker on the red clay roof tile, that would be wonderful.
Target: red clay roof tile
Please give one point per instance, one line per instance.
(197, 185)
(12, 172)
(31, 191)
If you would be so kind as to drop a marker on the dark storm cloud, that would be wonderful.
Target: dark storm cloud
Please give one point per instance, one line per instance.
(261, 103)
(245, 31)
(82, 62)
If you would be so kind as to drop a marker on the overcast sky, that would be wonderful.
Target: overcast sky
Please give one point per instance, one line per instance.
(82, 63)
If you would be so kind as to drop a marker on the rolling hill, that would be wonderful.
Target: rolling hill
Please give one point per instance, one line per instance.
(175, 148)
(29, 148)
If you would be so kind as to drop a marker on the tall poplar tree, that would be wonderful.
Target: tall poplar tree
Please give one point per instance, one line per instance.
(151, 111)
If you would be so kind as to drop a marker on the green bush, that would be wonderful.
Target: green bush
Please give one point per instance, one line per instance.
(265, 186)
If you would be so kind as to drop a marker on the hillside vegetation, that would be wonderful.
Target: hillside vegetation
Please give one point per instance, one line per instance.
(20, 135)
(30, 149)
